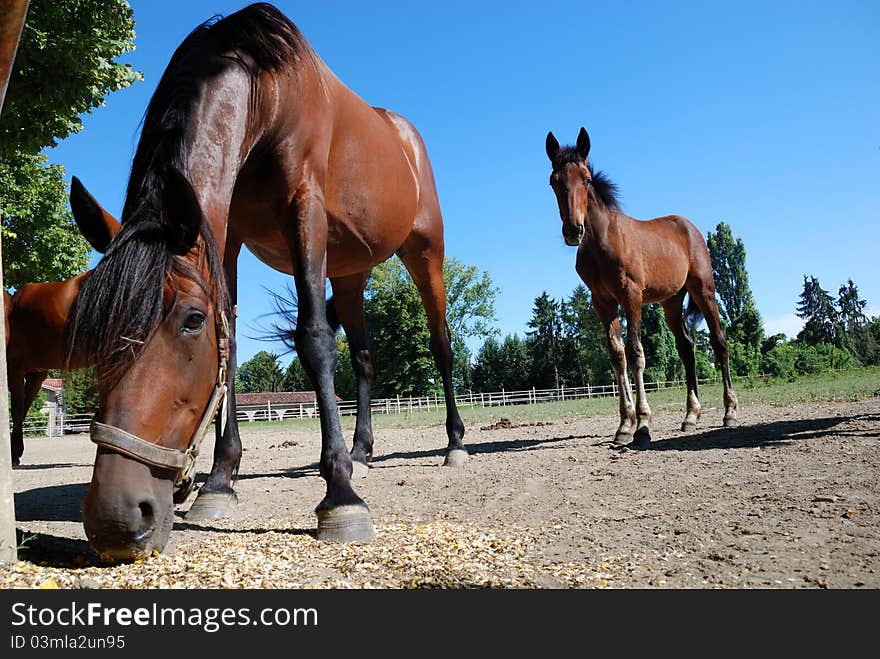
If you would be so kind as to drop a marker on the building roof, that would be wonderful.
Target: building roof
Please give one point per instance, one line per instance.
(55, 384)
(278, 398)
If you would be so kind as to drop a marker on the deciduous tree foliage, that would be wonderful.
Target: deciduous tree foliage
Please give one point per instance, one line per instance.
(259, 373)
(65, 66)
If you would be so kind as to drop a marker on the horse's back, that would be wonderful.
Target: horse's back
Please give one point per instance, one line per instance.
(37, 321)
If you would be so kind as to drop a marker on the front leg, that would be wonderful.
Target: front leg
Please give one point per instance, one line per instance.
(342, 514)
(217, 498)
(635, 356)
(607, 312)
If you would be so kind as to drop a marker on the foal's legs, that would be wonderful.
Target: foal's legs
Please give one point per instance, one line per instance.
(348, 302)
(635, 356)
(607, 312)
(216, 497)
(704, 297)
(342, 514)
(685, 345)
(424, 261)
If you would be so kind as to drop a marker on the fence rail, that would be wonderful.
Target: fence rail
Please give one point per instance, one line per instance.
(67, 424)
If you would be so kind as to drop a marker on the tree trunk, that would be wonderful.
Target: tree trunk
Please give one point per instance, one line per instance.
(12, 13)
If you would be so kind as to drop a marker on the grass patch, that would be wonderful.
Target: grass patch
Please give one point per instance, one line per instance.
(851, 385)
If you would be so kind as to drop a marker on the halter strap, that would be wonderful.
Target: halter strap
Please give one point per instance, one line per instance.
(182, 463)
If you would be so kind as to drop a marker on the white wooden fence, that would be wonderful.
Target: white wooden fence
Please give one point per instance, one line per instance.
(58, 424)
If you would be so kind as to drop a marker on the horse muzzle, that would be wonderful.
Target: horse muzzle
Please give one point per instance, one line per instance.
(573, 234)
(128, 511)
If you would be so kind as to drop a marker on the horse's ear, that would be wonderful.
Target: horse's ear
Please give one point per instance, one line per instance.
(96, 225)
(583, 143)
(552, 146)
(182, 212)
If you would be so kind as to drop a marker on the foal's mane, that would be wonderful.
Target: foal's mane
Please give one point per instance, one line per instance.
(606, 190)
(122, 302)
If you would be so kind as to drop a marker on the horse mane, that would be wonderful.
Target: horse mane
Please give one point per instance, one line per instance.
(257, 38)
(606, 190)
(121, 303)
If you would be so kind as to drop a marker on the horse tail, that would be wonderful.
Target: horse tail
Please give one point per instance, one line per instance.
(283, 328)
(692, 313)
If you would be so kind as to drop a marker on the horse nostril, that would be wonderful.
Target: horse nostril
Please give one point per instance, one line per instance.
(148, 517)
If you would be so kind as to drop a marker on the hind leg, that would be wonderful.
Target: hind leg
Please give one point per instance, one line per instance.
(607, 312)
(23, 390)
(423, 259)
(703, 295)
(685, 346)
(348, 302)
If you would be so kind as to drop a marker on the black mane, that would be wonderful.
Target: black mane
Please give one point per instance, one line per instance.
(606, 190)
(122, 301)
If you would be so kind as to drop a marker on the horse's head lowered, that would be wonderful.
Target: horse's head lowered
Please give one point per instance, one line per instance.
(570, 180)
(153, 315)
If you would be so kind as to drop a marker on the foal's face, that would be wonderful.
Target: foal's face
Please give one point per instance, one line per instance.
(571, 184)
(571, 180)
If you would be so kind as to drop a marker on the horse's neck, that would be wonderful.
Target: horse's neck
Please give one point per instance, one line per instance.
(599, 227)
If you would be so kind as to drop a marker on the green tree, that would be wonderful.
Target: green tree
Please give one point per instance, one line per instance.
(516, 364)
(736, 304)
(584, 350)
(399, 332)
(854, 323)
(544, 338)
(345, 380)
(259, 373)
(662, 362)
(503, 365)
(80, 390)
(41, 242)
(295, 378)
(816, 307)
(65, 66)
(487, 372)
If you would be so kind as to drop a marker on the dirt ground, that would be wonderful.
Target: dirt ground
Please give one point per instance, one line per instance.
(789, 499)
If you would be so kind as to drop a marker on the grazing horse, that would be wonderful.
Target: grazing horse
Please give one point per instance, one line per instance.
(629, 262)
(36, 321)
(249, 140)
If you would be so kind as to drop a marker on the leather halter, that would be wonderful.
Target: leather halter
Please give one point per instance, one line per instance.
(182, 463)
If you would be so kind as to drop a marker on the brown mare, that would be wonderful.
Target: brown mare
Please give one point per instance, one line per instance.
(630, 263)
(36, 321)
(249, 140)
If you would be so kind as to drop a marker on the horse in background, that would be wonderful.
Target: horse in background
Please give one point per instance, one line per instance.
(249, 140)
(36, 322)
(629, 262)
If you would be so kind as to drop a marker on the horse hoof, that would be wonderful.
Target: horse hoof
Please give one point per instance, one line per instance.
(359, 469)
(730, 422)
(688, 426)
(641, 438)
(345, 524)
(622, 439)
(457, 457)
(212, 505)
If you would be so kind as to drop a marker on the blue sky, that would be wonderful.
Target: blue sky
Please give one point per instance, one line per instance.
(760, 114)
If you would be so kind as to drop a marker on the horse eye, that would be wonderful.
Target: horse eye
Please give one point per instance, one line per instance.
(193, 322)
